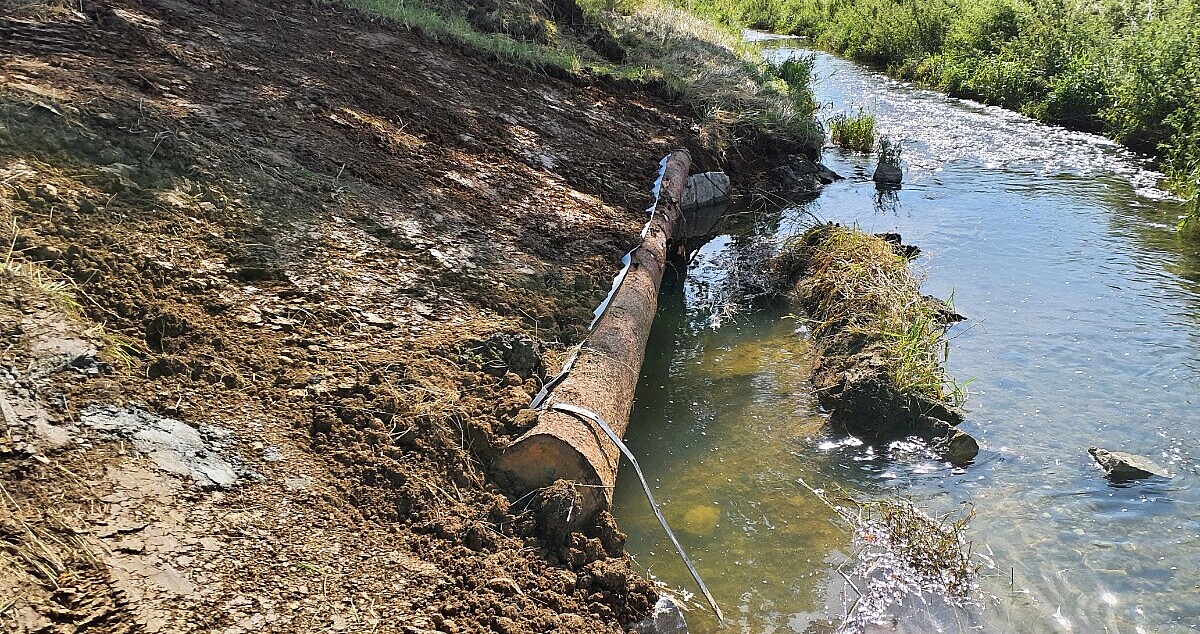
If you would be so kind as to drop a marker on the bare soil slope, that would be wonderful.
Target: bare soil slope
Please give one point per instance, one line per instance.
(280, 283)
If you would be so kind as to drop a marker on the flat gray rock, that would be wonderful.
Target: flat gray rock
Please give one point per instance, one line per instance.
(173, 445)
(705, 190)
(1120, 465)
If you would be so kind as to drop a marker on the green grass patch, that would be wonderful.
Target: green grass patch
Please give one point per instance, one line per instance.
(854, 132)
(862, 298)
(1127, 69)
(443, 23)
(724, 81)
(797, 73)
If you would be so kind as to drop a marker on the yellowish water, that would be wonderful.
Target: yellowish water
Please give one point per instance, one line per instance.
(724, 428)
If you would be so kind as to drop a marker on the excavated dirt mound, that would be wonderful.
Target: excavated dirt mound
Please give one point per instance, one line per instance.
(282, 281)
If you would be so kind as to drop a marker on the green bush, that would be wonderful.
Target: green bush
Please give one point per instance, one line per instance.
(1128, 69)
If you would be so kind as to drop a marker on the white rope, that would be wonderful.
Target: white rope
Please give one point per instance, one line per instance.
(539, 401)
(595, 418)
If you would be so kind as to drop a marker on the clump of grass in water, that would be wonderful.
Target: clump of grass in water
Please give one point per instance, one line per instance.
(889, 151)
(858, 285)
(854, 132)
(903, 551)
(797, 73)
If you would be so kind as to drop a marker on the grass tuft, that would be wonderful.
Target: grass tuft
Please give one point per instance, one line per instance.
(37, 9)
(797, 73)
(855, 132)
(889, 151)
(857, 288)
(902, 550)
(58, 289)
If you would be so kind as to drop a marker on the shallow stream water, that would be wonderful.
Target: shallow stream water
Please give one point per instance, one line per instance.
(1084, 309)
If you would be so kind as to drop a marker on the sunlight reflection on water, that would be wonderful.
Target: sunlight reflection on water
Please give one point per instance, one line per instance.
(1083, 307)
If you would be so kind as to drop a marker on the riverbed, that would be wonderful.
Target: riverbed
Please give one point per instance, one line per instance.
(1083, 305)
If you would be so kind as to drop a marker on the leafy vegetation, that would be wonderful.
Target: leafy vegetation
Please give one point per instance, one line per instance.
(853, 131)
(1128, 69)
(732, 92)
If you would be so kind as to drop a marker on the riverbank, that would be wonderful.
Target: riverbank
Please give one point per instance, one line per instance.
(279, 281)
(1121, 69)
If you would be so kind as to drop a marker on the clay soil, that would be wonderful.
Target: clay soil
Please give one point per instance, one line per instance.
(342, 257)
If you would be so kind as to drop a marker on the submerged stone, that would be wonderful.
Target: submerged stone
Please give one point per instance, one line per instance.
(797, 175)
(1120, 465)
(701, 519)
(667, 618)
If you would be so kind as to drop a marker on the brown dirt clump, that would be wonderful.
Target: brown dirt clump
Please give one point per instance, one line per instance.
(280, 285)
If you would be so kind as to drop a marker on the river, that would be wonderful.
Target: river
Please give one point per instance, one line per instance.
(1084, 309)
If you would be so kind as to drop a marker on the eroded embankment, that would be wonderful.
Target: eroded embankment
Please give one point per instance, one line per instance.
(880, 343)
(332, 249)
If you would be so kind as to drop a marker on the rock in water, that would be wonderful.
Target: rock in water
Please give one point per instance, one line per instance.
(959, 448)
(1119, 465)
(888, 174)
(667, 618)
(705, 190)
(701, 519)
(795, 175)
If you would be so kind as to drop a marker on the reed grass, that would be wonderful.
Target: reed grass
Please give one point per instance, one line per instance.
(853, 131)
(889, 151)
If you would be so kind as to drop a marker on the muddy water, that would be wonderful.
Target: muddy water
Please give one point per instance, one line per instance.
(1084, 310)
